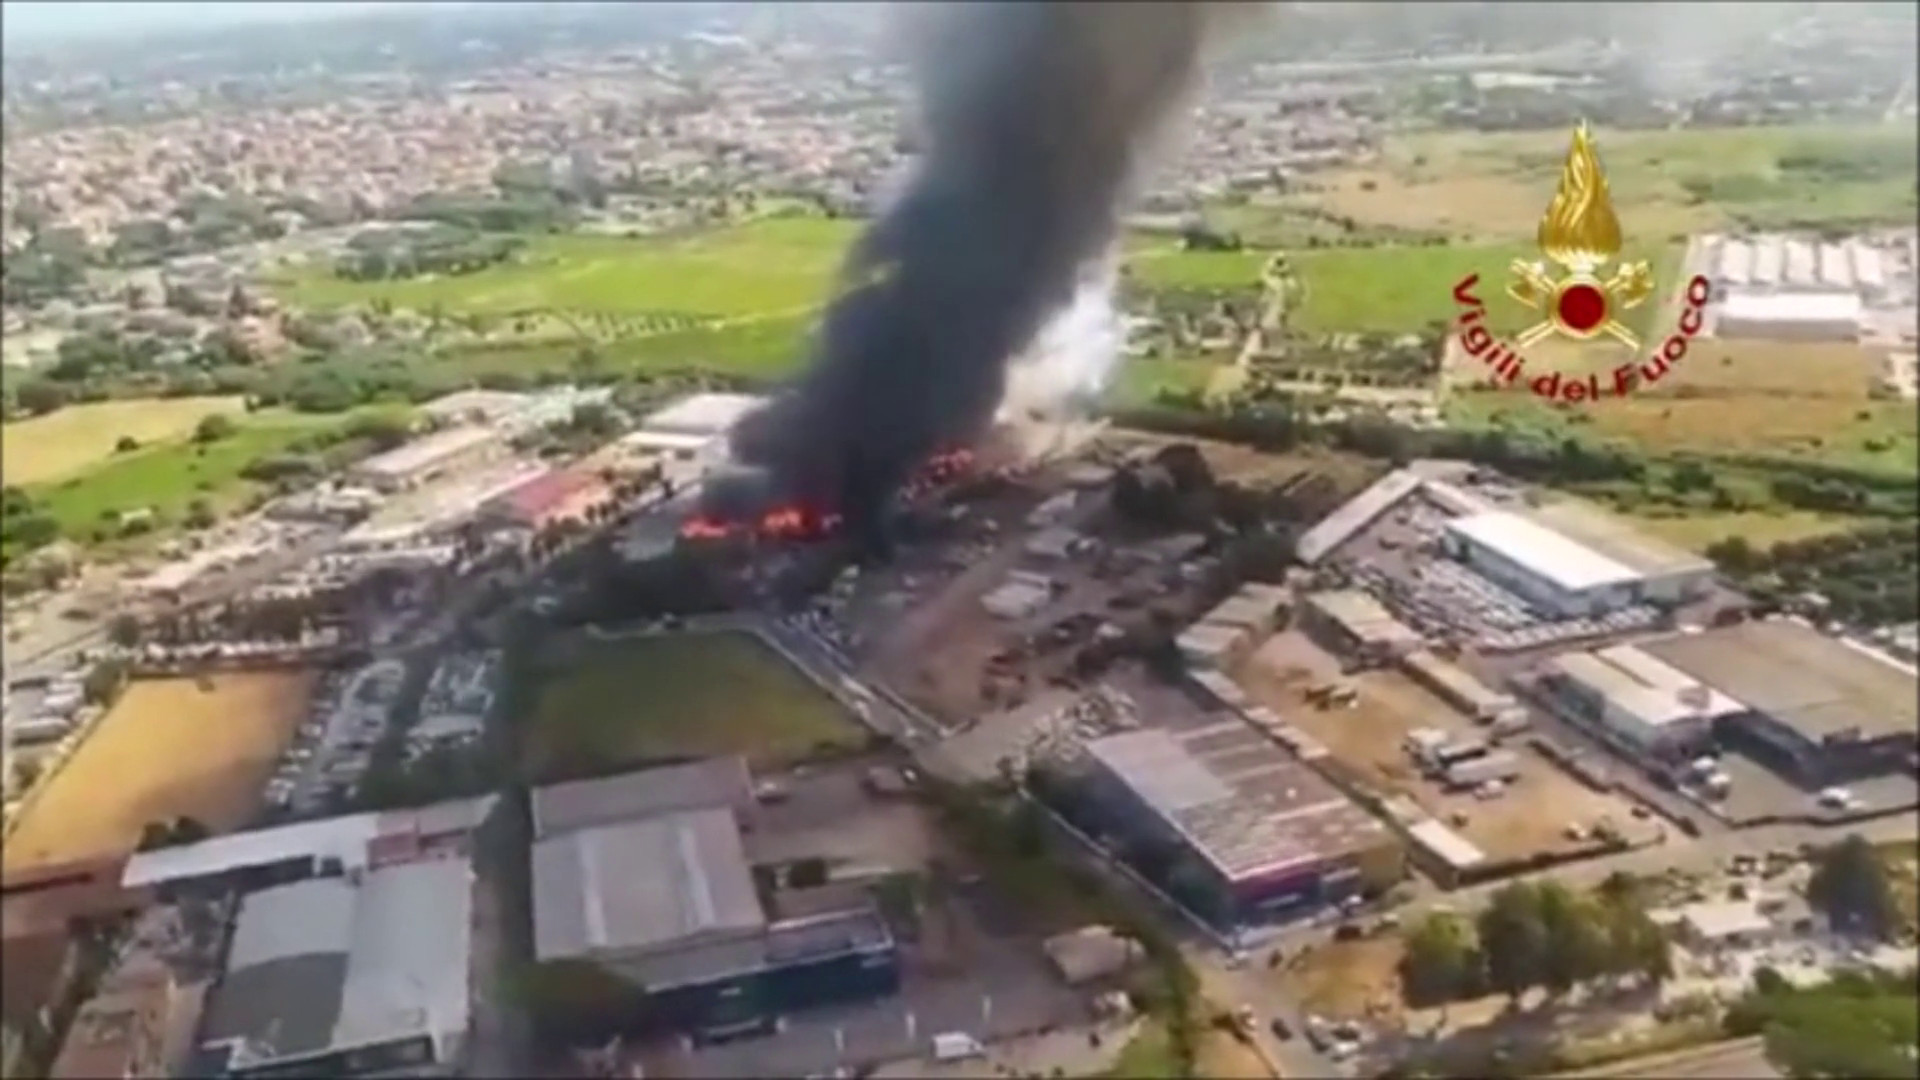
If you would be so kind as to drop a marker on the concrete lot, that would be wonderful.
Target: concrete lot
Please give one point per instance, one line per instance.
(1530, 817)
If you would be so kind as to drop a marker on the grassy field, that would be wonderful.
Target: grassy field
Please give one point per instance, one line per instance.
(637, 699)
(167, 477)
(1403, 289)
(60, 444)
(1494, 187)
(779, 264)
(168, 749)
(1795, 402)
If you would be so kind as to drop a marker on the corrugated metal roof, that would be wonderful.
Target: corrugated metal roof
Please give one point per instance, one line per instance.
(1791, 307)
(1566, 563)
(704, 784)
(1355, 514)
(1615, 539)
(640, 885)
(703, 414)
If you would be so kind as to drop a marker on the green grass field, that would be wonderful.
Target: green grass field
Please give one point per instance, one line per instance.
(646, 698)
(1402, 289)
(772, 265)
(167, 477)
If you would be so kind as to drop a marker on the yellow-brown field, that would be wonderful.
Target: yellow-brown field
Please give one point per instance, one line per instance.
(168, 749)
(65, 443)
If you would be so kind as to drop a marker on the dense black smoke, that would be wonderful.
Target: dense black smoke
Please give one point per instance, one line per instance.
(1032, 117)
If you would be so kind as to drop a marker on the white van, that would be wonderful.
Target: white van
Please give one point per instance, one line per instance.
(956, 1046)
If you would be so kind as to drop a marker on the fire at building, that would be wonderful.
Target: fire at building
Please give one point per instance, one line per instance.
(801, 522)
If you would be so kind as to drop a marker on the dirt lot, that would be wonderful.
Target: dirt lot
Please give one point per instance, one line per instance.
(1346, 980)
(169, 748)
(1531, 817)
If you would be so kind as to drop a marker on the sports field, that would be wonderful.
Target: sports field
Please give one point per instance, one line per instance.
(1494, 186)
(168, 749)
(631, 700)
(66, 442)
(760, 268)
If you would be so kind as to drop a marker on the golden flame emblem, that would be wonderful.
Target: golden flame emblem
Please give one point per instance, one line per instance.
(1581, 234)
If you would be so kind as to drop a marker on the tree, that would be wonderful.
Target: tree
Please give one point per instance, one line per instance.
(1577, 938)
(213, 428)
(37, 397)
(1442, 960)
(1514, 938)
(200, 515)
(1851, 888)
(126, 444)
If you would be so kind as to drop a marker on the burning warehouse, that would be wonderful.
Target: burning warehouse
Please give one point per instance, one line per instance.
(802, 521)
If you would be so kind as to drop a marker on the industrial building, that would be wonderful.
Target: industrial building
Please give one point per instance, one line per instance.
(547, 499)
(358, 973)
(1636, 702)
(1790, 288)
(1233, 628)
(645, 877)
(1572, 562)
(1355, 514)
(305, 849)
(1803, 316)
(694, 426)
(1350, 623)
(1817, 709)
(1248, 834)
(416, 462)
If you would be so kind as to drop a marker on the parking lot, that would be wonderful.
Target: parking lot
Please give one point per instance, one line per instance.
(1398, 560)
(1542, 810)
(330, 750)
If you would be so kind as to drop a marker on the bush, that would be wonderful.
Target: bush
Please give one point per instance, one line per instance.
(213, 429)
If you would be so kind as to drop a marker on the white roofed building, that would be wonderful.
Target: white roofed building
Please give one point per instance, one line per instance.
(1807, 315)
(361, 973)
(1636, 701)
(1559, 575)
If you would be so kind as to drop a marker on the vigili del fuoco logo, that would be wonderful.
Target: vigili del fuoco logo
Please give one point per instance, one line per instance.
(1580, 296)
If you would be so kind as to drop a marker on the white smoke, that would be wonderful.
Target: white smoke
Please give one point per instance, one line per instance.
(1064, 372)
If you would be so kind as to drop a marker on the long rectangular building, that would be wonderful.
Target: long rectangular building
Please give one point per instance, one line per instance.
(1572, 561)
(1819, 709)
(1255, 836)
(1635, 701)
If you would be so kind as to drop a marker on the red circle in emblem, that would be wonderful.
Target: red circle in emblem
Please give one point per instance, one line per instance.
(1582, 308)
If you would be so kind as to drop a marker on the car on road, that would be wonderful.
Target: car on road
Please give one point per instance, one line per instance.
(1280, 1028)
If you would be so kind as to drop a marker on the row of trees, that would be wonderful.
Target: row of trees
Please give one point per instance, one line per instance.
(1535, 935)
(385, 254)
(1869, 575)
(1860, 1025)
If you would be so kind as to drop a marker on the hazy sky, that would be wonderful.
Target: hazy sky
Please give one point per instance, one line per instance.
(30, 22)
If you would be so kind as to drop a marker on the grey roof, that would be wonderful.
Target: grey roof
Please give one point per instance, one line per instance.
(1815, 684)
(818, 936)
(338, 962)
(1619, 541)
(697, 785)
(1363, 617)
(640, 885)
(1242, 802)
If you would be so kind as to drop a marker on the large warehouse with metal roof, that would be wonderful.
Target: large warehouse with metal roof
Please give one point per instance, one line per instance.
(1573, 562)
(1254, 835)
(645, 877)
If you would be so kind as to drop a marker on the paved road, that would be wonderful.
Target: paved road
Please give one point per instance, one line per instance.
(1741, 1059)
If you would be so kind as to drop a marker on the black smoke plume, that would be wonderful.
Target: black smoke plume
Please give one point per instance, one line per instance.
(1033, 115)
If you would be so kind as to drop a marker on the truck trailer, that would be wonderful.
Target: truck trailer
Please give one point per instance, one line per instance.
(1499, 765)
